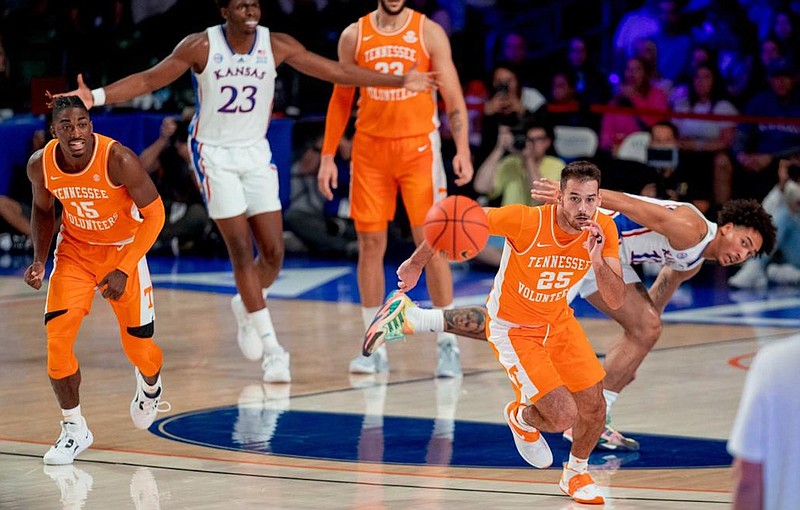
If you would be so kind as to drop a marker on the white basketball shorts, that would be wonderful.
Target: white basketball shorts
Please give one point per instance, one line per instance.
(236, 180)
(588, 284)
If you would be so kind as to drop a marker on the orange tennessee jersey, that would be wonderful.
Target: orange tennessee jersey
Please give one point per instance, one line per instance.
(541, 265)
(96, 211)
(394, 112)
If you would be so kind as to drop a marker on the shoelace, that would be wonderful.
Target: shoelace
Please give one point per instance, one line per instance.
(155, 405)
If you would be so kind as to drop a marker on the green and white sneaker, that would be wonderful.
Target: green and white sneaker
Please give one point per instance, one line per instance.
(389, 324)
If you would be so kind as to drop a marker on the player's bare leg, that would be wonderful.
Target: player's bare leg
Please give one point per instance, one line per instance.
(439, 279)
(575, 479)
(250, 275)
(371, 288)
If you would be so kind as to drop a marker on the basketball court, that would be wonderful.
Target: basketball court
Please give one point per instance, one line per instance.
(331, 440)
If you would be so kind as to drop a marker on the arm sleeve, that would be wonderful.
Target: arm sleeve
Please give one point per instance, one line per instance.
(336, 119)
(152, 222)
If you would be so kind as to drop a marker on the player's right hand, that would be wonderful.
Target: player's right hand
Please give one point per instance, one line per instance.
(417, 81)
(83, 92)
(408, 275)
(545, 190)
(328, 176)
(34, 275)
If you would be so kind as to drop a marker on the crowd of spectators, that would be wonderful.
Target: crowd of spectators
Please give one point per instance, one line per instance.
(645, 70)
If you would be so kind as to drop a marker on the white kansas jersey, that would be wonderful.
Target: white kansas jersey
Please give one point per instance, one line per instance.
(639, 244)
(234, 92)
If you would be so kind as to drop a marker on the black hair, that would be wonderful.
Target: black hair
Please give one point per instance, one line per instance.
(749, 213)
(668, 124)
(62, 103)
(222, 4)
(581, 171)
(718, 91)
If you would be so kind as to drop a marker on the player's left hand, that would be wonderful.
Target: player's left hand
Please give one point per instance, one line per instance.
(417, 81)
(594, 241)
(114, 283)
(462, 167)
(545, 190)
(83, 92)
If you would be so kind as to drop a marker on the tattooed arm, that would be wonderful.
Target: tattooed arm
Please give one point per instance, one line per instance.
(667, 282)
(469, 322)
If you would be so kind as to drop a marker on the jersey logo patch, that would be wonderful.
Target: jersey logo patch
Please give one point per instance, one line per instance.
(410, 37)
(367, 37)
(96, 178)
(543, 245)
(217, 58)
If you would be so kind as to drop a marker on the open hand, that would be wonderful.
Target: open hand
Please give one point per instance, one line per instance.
(83, 92)
(417, 81)
(545, 190)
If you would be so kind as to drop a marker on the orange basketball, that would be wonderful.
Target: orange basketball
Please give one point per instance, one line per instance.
(457, 228)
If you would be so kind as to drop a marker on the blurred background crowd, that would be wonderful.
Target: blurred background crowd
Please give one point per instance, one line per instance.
(691, 100)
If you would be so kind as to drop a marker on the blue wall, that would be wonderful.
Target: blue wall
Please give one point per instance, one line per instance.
(137, 131)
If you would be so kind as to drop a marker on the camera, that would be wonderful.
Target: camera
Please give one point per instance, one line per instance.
(502, 88)
(520, 138)
(662, 158)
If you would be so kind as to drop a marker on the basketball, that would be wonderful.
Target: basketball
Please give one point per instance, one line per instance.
(457, 228)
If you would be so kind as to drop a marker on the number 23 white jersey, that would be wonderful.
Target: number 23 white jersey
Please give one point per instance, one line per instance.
(234, 92)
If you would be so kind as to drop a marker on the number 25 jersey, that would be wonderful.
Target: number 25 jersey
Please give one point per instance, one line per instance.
(234, 92)
(540, 263)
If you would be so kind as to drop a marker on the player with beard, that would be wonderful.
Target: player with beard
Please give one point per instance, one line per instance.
(397, 147)
(533, 332)
(234, 65)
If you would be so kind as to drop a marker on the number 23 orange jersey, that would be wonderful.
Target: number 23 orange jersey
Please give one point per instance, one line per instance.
(541, 264)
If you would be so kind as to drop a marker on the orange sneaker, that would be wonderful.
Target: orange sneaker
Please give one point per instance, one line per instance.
(581, 487)
(531, 445)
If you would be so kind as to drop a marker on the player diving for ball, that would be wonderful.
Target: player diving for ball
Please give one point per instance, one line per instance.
(557, 378)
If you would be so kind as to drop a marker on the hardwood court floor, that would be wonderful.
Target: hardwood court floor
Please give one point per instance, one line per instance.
(689, 386)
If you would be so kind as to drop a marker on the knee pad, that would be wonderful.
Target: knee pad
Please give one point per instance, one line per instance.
(62, 330)
(141, 350)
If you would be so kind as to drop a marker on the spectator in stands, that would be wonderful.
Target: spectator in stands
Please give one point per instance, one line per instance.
(514, 51)
(636, 91)
(565, 106)
(519, 158)
(591, 83)
(7, 94)
(757, 147)
(637, 24)
(705, 144)
(168, 160)
(672, 42)
(785, 32)
(783, 203)
(504, 107)
(322, 226)
(647, 51)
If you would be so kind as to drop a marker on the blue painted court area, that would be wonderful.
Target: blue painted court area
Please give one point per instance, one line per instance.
(403, 440)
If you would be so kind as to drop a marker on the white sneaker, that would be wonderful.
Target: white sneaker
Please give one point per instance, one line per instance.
(74, 438)
(276, 368)
(581, 487)
(144, 490)
(750, 276)
(74, 484)
(783, 274)
(378, 361)
(449, 361)
(530, 443)
(143, 408)
(249, 342)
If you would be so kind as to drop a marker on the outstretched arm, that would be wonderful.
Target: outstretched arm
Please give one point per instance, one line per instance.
(191, 51)
(287, 49)
(682, 226)
(42, 221)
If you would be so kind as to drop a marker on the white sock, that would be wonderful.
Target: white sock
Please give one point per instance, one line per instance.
(367, 314)
(576, 464)
(445, 338)
(611, 397)
(423, 320)
(73, 415)
(151, 389)
(521, 421)
(262, 322)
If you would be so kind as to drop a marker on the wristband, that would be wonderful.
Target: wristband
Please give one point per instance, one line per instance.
(99, 96)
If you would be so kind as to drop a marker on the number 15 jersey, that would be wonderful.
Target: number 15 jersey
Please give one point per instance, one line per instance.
(234, 92)
(540, 263)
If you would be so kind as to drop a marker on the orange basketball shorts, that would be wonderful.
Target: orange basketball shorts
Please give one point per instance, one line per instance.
(381, 166)
(540, 359)
(79, 267)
